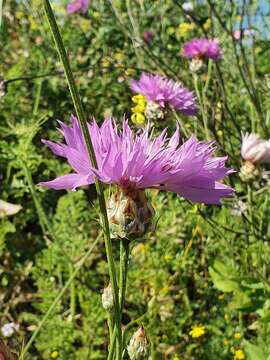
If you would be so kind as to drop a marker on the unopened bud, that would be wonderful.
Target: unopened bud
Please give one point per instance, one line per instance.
(130, 214)
(196, 65)
(107, 298)
(249, 172)
(138, 348)
(154, 111)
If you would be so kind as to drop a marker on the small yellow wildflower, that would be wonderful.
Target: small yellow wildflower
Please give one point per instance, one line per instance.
(197, 331)
(237, 335)
(226, 342)
(105, 62)
(96, 14)
(221, 296)
(85, 24)
(176, 357)
(167, 258)
(226, 317)
(119, 56)
(239, 355)
(184, 29)
(187, 125)
(139, 99)
(130, 72)
(219, 133)
(138, 118)
(207, 24)
(54, 354)
(238, 17)
(139, 108)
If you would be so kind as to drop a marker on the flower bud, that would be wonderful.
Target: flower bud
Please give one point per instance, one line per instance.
(107, 298)
(130, 213)
(138, 348)
(196, 65)
(154, 111)
(249, 172)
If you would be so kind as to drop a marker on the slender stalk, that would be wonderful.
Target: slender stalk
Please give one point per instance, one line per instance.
(90, 149)
(58, 298)
(124, 255)
(204, 115)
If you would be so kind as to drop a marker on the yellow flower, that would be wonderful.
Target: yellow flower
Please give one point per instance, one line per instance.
(184, 29)
(226, 342)
(219, 133)
(197, 331)
(85, 25)
(139, 99)
(226, 317)
(130, 72)
(239, 355)
(138, 118)
(207, 24)
(187, 125)
(237, 335)
(139, 108)
(105, 62)
(238, 17)
(221, 296)
(167, 258)
(54, 354)
(119, 56)
(96, 14)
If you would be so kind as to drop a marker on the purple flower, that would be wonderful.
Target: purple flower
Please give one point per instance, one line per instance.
(164, 91)
(78, 5)
(202, 49)
(148, 36)
(137, 162)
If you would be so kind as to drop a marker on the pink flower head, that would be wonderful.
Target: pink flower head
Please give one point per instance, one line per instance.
(139, 162)
(237, 35)
(78, 5)
(164, 91)
(148, 36)
(202, 48)
(254, 149)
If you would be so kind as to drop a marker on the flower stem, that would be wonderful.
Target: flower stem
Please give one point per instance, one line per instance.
(99, 186)
(204, 116)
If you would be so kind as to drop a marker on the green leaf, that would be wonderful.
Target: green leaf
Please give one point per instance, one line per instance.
(255, 352)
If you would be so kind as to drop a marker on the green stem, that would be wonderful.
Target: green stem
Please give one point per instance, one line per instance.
(99, 186)
(38, 96)
(204, 116)
(124, 256)
(58, 298)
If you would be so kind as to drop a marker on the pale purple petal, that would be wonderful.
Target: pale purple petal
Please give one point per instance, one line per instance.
(70, 181)
(202, 48)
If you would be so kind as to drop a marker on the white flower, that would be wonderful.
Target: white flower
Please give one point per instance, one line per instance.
(255, 149)
(187, 6)
(9, 328)
(7, 209)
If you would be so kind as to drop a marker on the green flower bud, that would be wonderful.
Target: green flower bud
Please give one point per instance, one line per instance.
(107, 298)
(138, 348)
(130, 214)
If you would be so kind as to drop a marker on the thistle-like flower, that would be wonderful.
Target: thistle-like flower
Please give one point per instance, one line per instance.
(138, 162)
(78, 6)
(165, 92)
(254, 151)
(203, 49)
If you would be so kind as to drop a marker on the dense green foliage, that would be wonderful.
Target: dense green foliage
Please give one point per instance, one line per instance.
(204, 265)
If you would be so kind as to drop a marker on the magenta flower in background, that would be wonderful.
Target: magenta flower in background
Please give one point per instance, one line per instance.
(148, 36)
(254, 149)
(203, 49)
(164, 92)
(78, 5)
(136, 162)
